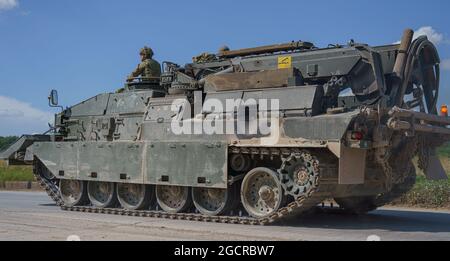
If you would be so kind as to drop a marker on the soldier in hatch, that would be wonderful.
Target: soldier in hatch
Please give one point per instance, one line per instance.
(148, 67)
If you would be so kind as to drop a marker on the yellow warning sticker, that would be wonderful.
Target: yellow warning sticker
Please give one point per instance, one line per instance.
(284, 62)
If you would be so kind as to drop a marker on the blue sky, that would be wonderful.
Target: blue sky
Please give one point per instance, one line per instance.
(87, 47)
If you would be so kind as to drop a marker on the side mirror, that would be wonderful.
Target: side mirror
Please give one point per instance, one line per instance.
(53, 99)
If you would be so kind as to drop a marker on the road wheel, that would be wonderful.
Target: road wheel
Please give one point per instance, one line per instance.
(261, 192)
(102, 194)
(215, 201)
(173, 199)
(73, 192)
(135, 196)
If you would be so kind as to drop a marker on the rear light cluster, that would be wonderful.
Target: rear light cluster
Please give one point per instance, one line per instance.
(357, 135)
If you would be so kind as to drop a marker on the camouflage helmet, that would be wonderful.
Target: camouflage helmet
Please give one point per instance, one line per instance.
(146, 52)
(224, 49)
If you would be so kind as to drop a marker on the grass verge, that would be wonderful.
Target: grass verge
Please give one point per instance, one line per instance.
(427, 193)
(15, 173)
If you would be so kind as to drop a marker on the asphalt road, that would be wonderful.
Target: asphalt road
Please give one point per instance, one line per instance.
(33, 216)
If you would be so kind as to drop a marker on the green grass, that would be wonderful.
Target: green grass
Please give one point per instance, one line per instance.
(444, 151)
(427, 194)
(15, 173)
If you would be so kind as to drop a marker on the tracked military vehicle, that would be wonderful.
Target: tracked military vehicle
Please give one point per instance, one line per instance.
(350, 118)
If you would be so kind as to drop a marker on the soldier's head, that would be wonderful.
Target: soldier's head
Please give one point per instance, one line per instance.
(224, 49)
(146, 53)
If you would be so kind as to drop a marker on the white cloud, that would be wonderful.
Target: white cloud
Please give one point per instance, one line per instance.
(432, 35)
(445, 64)
(8, 4)
(17, 117)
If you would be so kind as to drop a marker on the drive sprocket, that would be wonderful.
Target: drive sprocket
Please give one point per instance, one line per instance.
(299, 173)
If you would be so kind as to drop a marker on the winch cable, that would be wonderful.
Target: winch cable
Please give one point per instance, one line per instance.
(414, 54)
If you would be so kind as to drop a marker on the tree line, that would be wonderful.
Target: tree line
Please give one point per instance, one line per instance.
(6, 141)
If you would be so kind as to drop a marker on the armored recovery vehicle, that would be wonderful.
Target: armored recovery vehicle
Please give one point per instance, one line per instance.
(348, 123)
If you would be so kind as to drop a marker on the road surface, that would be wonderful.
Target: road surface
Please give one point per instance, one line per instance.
(33, 216)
